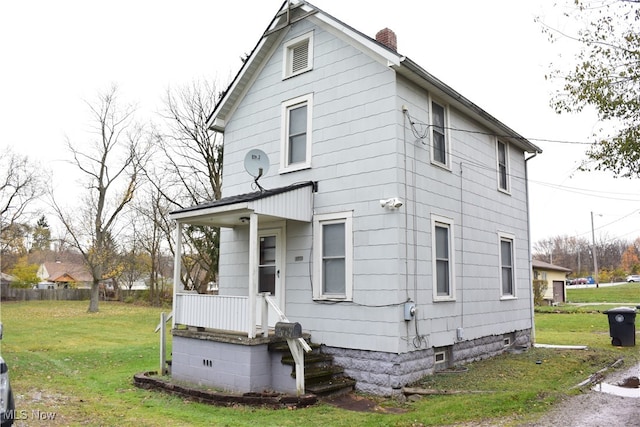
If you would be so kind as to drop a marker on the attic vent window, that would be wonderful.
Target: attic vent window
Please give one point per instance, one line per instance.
(298, 55)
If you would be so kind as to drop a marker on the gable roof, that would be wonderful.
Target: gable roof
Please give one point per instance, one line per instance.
(546, 266)
(67, 272)
(6, 278)
(296, 10)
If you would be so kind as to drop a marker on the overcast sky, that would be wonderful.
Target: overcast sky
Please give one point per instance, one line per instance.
(57, 54)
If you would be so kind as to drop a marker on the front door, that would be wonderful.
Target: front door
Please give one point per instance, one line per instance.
(270, 274)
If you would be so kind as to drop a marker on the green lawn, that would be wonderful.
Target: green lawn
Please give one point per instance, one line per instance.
(627, 293)
(79, 366)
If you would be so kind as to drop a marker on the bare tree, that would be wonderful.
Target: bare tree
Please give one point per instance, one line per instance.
(192, 170)
(110, 162)
(152, 230)
(21, 185)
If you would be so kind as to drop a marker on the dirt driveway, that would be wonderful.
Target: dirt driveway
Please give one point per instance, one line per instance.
(596, 408)
(590, 409)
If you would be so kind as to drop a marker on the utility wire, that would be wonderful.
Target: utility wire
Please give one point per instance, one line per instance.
(479, 132)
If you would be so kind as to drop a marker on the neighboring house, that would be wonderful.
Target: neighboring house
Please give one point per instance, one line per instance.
(556, 278)
(6, 279)
(393, 225)
(64, 274)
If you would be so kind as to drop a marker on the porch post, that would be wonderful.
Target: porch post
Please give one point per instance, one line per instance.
(254, 257)
(177, 264)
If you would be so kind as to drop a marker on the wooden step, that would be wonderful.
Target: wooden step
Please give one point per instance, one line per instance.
(283, 347)
(310, 359)
(320, 374)
(336, 387)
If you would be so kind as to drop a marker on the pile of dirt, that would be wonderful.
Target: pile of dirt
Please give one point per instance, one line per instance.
(359, 403)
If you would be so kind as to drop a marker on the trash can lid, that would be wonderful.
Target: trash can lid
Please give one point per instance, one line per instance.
(620, 310)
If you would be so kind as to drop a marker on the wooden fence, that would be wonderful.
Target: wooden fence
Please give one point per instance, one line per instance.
(8, 293)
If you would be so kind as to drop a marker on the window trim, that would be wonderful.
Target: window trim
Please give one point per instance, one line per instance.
(507, 177)
(512, 239)
(437, 220)
(288, 47)
(319, 220)
(288, 106)
(447, 136)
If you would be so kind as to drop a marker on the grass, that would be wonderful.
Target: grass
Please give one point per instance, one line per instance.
(627, 293)
(80, 366)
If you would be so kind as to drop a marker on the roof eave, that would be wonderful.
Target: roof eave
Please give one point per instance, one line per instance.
(420, 76)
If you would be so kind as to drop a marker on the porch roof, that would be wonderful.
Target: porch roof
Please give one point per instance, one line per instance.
(291, 202)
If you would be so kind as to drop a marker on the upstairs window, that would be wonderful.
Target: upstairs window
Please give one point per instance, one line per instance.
(503, 166)
(298, 55)
(439, 140)
(295, 153)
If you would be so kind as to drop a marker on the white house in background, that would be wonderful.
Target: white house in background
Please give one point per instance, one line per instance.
(390, 220)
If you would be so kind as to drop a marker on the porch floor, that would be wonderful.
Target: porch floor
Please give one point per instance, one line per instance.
(230, 337)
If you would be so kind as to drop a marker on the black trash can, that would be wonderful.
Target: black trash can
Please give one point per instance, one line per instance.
(622, 326)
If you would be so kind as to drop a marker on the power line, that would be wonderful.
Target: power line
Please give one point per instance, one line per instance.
(479, 132)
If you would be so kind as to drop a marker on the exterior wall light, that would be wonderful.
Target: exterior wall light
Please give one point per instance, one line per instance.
(393, 203)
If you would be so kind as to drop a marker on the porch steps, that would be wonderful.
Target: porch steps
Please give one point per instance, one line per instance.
(321, 376)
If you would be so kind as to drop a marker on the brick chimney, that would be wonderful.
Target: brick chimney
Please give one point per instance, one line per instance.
(387, 38)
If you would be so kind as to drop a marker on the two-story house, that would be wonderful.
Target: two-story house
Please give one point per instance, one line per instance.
(365, 200)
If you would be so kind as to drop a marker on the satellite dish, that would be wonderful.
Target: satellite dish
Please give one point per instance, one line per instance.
(256, 163)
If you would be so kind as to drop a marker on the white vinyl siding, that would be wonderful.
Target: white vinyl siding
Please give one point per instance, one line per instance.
(333, 256)
(439, 135)
(295, 151)
(356, 120)
(507, 266)
(298, 55)
(502, 158)
(442, 242)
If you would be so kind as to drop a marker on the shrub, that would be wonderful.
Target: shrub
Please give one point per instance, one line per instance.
(539, 289)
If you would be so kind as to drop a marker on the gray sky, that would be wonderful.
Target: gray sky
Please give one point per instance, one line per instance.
(55, 54)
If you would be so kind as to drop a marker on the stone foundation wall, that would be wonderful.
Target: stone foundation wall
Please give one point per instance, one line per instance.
(386, 373)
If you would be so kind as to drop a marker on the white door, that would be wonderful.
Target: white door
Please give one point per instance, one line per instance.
(270, 271)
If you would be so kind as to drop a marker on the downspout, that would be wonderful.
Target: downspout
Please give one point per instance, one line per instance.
(460, 286)
(531, 306)
(406, 210)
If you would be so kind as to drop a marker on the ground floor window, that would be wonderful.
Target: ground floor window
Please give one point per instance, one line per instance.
(333, 256)
(507, 265)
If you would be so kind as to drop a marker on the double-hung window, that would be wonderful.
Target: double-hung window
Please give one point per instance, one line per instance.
(507, 266)
(439, 140)
(442, 242)
(333, 256)
(503, 166)
(298, 55)
(295, 151)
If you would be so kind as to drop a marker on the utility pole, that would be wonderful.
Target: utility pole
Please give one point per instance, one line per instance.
(595, 254)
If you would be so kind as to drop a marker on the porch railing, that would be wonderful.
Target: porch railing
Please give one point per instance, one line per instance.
(228, 313)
